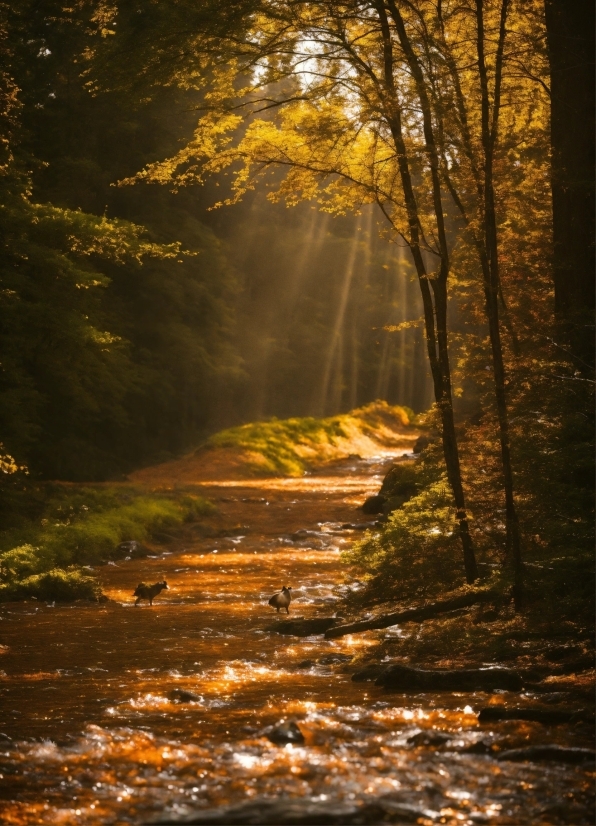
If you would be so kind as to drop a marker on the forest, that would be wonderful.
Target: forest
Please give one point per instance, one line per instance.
(334, 262)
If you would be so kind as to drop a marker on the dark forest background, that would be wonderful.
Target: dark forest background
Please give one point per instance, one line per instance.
(266, 311)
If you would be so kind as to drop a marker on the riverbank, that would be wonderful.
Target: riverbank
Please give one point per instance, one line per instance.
(55, 534)
(103, 736)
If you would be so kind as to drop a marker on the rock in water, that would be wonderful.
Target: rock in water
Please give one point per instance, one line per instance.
(303, 627)
(374, 504)
(132, 547)
(421, 443)
(403, 678)
(535, 715)
(430, 737)
(557, 754)
(369, 673)
(334, 659)
(303, 812)
(181, 695)
(286, 732)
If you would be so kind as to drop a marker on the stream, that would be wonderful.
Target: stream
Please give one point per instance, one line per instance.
(92, 734)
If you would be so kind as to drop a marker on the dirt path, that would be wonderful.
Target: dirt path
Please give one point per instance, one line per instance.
(91, 734)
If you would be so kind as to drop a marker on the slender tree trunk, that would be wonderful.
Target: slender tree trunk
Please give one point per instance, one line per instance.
(570, 36)
(491, 282)
(435, 313)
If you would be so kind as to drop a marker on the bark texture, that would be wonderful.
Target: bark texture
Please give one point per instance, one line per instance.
(570, 34)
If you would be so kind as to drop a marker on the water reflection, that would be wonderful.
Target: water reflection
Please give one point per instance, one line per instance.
(94, 731)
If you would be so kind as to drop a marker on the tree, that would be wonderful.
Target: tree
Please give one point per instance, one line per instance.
(361, 117)
(570, 30)
(114, 343)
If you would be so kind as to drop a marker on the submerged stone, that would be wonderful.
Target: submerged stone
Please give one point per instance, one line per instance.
(181, 695)
(404, 678)
(369, 673)
(430, 737)
(303, 812)
(534, 715)
(334, 659)
(557, 754)
(285, 732)
(374, 504)
(303, 627)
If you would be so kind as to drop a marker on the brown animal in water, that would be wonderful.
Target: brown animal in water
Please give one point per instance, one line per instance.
(144, 591)
(282, 600)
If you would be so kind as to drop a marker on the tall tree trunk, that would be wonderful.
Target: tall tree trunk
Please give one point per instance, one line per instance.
(435, 313)
(491, 280)
(570, 35)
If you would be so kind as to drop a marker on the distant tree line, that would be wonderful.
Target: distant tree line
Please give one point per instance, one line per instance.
(134, 321)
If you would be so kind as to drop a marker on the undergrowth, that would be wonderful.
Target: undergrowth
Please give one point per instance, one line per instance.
(55, 529)
(417, 554)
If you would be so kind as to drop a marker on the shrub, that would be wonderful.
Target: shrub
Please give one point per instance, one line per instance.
(22, 562)
(417, 554)
(55, 585)
(85, 525)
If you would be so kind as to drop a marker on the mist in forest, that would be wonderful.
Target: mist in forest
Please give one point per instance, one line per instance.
(318, 294)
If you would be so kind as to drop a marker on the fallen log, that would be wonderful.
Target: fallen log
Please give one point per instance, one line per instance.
(412, 614)
(404, 678)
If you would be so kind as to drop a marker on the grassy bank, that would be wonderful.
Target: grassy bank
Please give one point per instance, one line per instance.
(53, 531)
(291, 446)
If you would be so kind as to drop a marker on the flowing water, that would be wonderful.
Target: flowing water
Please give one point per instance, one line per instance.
(92, 734)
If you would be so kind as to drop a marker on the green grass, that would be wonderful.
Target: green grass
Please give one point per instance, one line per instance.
(56, 585)
(71, 526)
(290, 446)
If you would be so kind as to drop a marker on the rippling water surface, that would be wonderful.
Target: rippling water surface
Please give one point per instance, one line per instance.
(91, 733)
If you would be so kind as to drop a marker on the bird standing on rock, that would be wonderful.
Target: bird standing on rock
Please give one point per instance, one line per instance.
(282, 600)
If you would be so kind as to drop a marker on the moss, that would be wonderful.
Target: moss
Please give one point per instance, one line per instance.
(83, 525)
(290, 446)
(56, 585)
(95, 537)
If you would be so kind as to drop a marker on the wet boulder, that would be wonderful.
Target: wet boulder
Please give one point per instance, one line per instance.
(335, 659)
(285, 732)
(182, 695)
(132, 548)
(479, 747)
(551, 753)
(547, 716)
(369, 673)
(404, 678)
(374, 504)
(357, 526)
(430, 737)
(301, 627)
(303, 812)
(423, 441)
(400, 481)
(393, 504)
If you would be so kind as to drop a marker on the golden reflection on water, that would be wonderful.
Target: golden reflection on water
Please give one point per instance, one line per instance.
(93, 735)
